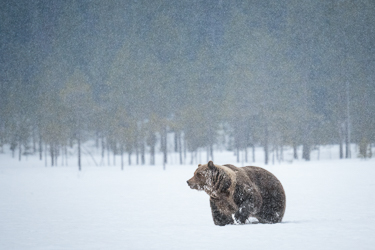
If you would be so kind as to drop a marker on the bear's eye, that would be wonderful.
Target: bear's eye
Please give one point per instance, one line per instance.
(199, 175)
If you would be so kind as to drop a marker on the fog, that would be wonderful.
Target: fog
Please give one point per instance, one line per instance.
(205, 74)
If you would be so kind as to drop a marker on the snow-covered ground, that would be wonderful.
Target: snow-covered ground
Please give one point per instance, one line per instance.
(330, 205)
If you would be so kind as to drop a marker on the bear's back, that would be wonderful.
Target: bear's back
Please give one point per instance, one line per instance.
(258, 176)
(261, 177)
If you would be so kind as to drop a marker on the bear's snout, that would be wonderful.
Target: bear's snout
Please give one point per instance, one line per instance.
(190, 183)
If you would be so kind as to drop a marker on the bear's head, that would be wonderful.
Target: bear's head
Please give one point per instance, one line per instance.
(213, 179)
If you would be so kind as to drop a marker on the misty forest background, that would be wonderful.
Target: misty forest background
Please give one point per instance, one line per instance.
(235, 74)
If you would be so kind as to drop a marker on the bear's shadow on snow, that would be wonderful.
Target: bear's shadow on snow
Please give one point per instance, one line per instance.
(254, 222)
(293, 222)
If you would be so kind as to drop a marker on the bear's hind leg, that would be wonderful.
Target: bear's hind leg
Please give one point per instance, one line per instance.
(243, 212)
(273, 207)
(268, 217)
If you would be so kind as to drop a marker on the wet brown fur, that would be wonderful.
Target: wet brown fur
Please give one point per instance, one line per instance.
(239, 193)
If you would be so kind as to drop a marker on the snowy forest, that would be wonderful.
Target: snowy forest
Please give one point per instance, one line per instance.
(136, 77)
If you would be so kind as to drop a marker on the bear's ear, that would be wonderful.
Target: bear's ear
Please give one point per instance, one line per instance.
(199, 165)
(211, 165)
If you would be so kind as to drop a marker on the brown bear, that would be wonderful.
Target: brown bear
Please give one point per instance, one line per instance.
(239, 193)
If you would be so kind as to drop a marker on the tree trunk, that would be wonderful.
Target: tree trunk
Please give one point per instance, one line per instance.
(19, 151)
(277, 153)
(295, 154)
(151, 142)
(114, 157)
(318, 153)
(137, 153)
(341, 138)
(253, 152)
(175, 142)
(51, 152)
(246, 154)
(79, 152)
(306, 151)
(137, 146)
(56, 153)
(45, 154)
(130, 158)
(13, 146)
(200, 155)
(97, 140)
(370, 150)
(66, 155)
(103, 148)
(238, 154)
(108, 152)
(191, 157)
(165, 156)
(122, 156)
(62, 155)
(185, 148)
(114, 152)
(152, 154)
(180, 147)
(347, 143)
(341, 149)
(40, 148)
(348, 132)
(34, 141)
(143, 161)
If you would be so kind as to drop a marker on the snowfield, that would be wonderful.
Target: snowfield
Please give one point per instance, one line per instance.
(330, 205)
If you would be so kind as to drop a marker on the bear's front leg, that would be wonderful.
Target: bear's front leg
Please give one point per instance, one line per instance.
(219, 218)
